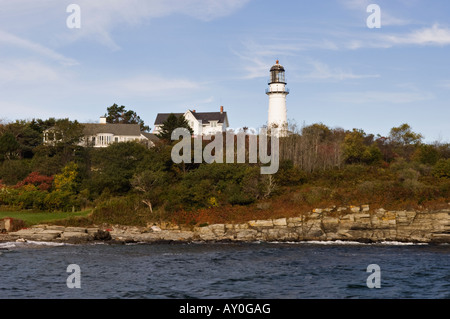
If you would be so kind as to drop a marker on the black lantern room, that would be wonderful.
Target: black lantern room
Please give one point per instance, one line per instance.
(277, 74)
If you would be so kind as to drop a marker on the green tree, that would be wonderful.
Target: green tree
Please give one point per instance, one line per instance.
(151, 186)
(26, 136)
(353, 146)
(119, 115)
(173, 122)
(319, 130)
(61, 147)
(426, 154)
(404, 135)
(356, 150)
(8, 146)
(68, 180)
(372, 155)
(11, 172)
(442, 168)
(113, 167)
(404, 140)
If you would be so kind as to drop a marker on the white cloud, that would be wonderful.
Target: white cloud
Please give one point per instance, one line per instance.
(435, 35)
(445, 84)
(100, 17)
(148, 85)
(322, 71)
(15, 41)
(257, 57)
(381, 97)
(27, 73)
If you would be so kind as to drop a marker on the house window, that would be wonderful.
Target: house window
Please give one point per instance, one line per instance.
(116, 139)
(93, 140)
(213, 124)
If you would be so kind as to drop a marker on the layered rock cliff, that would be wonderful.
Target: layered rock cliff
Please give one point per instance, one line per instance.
(358, 223)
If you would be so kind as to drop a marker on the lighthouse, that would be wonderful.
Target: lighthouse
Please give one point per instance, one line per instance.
(277, 93)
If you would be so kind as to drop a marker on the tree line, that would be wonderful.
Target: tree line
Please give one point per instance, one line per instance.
(128, 180)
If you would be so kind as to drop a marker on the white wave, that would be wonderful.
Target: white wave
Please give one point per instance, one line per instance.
(8, 245)
(44, 243)
(344, 242)
(328, 242)
(28, 243)
(399, 243)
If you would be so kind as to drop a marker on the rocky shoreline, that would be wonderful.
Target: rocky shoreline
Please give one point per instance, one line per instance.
(354, 223)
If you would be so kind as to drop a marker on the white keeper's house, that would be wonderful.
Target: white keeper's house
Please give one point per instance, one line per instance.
(103, 134)
(201, 123)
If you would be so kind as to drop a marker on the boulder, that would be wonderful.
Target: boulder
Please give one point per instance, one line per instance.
(260, 223)
(246, 235)
(155, 229)
(206, 233)
(102, 235)
(218, 229)
(74, 235)
(54, 227)
(330, 224)
(11, 224)
(294, 221)
(355, 209)
(75, 230)
(178, 235)
(279, 222)
(92, 231)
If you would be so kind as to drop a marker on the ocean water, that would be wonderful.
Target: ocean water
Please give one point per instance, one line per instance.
(225, 270)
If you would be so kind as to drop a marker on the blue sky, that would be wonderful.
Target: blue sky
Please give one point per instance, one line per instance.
(172, 55)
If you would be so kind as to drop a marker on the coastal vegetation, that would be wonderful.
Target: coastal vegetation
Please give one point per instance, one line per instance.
(43, 217)
(128, 183)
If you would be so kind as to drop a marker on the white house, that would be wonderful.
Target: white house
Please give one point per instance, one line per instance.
(103, 134)
(202, 123)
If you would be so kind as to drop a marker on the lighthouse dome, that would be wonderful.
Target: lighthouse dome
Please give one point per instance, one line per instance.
(277, 67)
(277, 74)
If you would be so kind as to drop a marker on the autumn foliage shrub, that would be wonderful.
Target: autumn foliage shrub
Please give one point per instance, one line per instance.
(44, 183)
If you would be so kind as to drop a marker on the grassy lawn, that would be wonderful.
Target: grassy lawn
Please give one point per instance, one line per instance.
(33, 218)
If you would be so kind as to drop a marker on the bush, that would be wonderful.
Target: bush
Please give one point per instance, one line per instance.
(442, 169)
(122, 210)
(426, 154)
(239, 198)
(288, 175)
(61, 201)
(11, 172)
(315, 195)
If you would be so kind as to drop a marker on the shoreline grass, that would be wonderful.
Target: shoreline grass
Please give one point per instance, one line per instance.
(33, 218)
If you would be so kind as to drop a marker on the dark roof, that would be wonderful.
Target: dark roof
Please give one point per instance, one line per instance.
(201, 116)
(150, 136)
(162, 117)
(109, 128)
(277, 67)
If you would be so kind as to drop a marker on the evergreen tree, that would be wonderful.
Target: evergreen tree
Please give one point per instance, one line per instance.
(8, 145)
(119, 115)
(173, 122)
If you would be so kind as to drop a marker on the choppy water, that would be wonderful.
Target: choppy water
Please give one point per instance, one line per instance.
(234, 270)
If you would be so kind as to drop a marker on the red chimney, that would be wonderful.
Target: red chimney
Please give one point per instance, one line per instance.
(193, 111)
(221, 109)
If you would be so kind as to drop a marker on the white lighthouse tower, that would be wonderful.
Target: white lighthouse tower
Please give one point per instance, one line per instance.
(277, 93)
